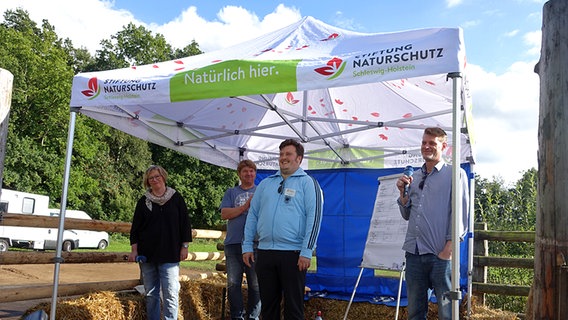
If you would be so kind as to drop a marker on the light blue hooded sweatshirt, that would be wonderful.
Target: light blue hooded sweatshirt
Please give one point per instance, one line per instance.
(286, 214)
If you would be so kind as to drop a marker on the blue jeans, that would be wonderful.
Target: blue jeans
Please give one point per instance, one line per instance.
(424, 272)
(235, 269)
(166, 277)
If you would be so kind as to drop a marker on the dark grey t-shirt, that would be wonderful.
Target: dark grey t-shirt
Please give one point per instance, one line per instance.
(236, 197)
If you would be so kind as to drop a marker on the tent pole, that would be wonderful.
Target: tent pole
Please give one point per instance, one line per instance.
(470, 240)
(58, 259)
(455, 294)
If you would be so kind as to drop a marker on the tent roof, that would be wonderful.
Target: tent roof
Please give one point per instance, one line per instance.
(354, 99)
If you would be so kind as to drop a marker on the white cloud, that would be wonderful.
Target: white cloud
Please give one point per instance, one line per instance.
(346, 23)
(511, 33)
(470, 24)
(533, 40)
(453, 3)
(234, 24)
(505, 109)
(85, 30)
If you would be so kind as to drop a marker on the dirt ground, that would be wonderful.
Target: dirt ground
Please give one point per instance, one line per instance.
(36, 274)
(40, 274)
(28, 274)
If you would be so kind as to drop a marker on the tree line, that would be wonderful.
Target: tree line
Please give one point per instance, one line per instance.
(107, 164)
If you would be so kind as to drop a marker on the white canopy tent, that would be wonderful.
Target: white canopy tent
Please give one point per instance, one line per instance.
(355, 100)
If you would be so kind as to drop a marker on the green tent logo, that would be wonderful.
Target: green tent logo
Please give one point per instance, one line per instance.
(332, 69)
(93, 90)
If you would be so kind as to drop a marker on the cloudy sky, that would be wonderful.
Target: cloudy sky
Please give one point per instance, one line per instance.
(502, 44)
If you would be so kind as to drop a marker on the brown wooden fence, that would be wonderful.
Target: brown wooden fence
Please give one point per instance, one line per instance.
(481, 260)
(20, 293)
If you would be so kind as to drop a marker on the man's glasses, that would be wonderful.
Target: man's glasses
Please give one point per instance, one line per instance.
(280, 189)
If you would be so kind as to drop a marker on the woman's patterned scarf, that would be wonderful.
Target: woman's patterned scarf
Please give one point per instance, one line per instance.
(158, 200)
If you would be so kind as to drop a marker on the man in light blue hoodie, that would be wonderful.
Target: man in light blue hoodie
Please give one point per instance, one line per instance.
(285, 213)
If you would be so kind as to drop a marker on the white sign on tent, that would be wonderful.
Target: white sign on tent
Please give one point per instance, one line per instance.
(353, 99)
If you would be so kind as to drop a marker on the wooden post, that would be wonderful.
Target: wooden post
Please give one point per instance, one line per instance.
(551, 245)
(479, 273)
(6, 79)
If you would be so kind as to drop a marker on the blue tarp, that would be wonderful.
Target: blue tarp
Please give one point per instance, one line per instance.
(349, 198)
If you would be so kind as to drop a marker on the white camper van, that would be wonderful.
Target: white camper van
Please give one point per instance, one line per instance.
(30, 237)
(87, 238)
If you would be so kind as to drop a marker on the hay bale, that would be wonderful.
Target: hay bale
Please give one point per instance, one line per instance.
(202, 299)
(335, 310)
(100, 305)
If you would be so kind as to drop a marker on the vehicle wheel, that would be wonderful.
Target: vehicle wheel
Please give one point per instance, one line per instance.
(67, 246)
(4, 245)
(102, 245)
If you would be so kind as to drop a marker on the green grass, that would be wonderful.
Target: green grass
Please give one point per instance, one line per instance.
(121, 243)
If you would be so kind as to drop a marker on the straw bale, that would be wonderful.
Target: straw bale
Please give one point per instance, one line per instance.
(335, 310)
(202, 299)
(101, 305)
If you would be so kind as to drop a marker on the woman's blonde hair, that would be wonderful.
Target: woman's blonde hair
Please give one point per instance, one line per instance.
(151, 168)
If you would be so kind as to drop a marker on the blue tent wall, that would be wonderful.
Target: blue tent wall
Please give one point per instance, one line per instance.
(349, 198)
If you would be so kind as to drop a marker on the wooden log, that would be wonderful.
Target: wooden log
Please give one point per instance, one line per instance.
(20, 293)
(28, 220)
(506, 262)
(21, 257)
(26, 257)
(507, 236)
(502, 289)
(208, 234)
(479, 272)
(222, 266)
(202, 256)
(551, 245)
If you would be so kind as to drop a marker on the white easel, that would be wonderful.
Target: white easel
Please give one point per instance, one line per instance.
(397, 297)
(387, 229)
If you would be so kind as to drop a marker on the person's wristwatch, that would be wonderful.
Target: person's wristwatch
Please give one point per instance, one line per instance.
(185, 245)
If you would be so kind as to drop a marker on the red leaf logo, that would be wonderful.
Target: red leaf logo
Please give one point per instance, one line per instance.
(375, 114)
(332, 68)
(338, 101)
(335, 62)
(290, 99)
(408, 115)
(383, 137)
(326, 71)
(93, 90)
(331, 37)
